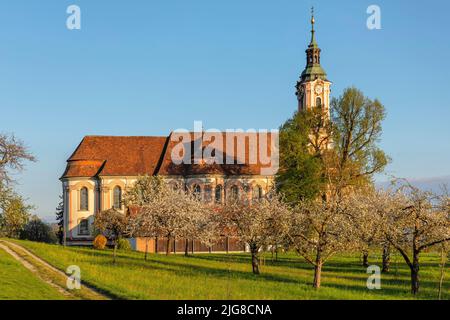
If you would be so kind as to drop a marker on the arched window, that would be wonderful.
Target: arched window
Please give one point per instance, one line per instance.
(84, 199)
(117, 198)
(318, 102)
(218, 194)
(257, 193)
(197, 191)
(234, 192)
(83, 227)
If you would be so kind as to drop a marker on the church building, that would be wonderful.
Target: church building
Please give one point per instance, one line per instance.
(102, 167)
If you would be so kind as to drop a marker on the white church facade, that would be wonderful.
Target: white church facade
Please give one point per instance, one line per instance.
(101, 168)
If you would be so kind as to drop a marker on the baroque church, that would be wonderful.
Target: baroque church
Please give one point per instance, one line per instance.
(102, 168)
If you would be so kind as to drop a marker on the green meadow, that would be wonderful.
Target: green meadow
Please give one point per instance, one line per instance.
(218, 276)
(17, 282)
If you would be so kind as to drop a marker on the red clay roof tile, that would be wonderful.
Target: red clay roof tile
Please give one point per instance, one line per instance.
(133, 156)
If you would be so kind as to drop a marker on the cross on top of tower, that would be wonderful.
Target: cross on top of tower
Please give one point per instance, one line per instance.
(313, 68)
(313, 38)
(313, 87)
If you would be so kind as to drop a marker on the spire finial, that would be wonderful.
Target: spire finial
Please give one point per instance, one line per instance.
(313, 21)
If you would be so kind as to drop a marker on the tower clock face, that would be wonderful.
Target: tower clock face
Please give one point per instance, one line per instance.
(319, 89)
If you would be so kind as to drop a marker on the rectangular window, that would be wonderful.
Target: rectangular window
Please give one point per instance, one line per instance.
(83, 228)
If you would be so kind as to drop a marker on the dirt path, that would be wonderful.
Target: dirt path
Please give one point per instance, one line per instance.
(30, 267)
(48, 273)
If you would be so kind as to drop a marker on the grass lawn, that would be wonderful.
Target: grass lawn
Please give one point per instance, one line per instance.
(17, 282)
(221, 276)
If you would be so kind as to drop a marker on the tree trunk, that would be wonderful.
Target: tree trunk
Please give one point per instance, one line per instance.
(441, 279)
(386, 258)
(415, 275)
(365, 257)
(318, 270)
(317, 275)
(186, 248)
(146, 249)
(168, 246)
(255, 259)
(276, 253)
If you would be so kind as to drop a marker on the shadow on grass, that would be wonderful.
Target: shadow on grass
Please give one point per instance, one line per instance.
(190, 266)
(395, 283)
(400, 291)
(177, 265)
(169, 265)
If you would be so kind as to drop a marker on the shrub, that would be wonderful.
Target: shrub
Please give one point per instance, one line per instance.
(39, 231)
(123, 244)
(100, 242)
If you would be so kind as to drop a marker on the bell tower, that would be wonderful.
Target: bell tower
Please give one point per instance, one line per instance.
(313, 87)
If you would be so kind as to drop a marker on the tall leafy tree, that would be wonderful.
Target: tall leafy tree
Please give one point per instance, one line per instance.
(321, 156)
(302, 138)
(357, 127)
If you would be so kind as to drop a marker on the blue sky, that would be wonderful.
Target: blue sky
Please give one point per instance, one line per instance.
(147, 67)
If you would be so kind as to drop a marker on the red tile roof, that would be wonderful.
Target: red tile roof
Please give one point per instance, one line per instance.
(115, 156)
(133, 156)
(247, 168)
